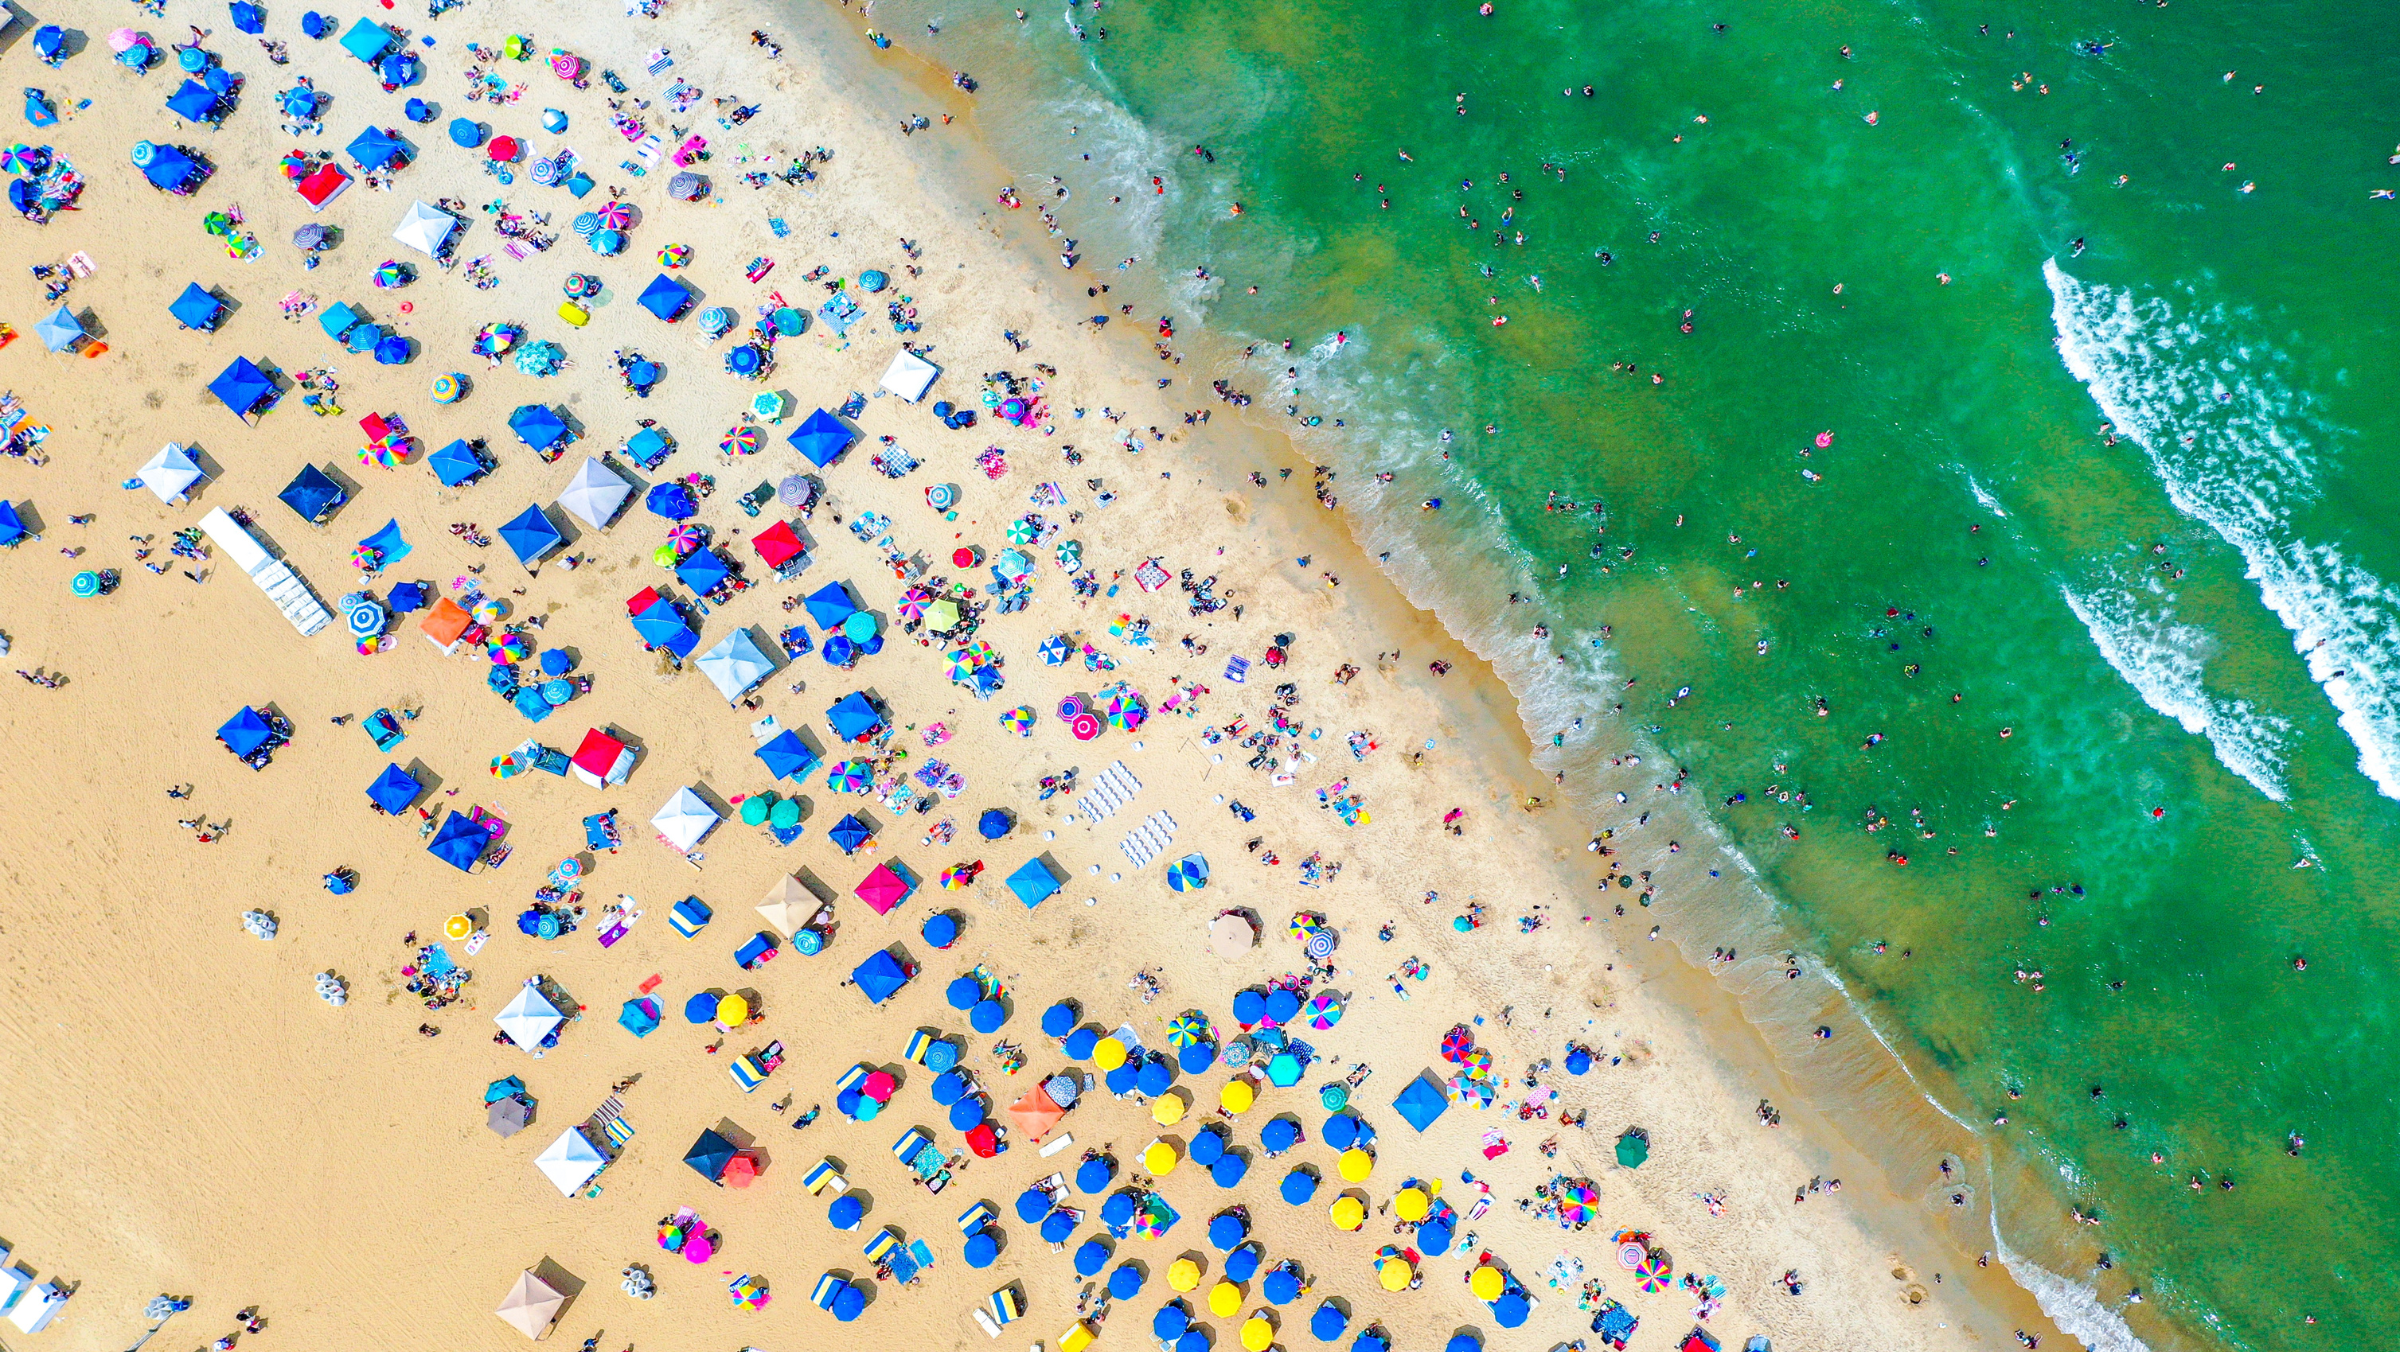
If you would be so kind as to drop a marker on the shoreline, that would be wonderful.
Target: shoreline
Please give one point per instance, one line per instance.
(533, 1221)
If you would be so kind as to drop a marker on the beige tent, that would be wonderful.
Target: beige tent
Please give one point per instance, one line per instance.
(532, 1306)
(788, 906)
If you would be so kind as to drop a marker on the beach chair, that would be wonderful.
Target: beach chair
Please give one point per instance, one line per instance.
(747, 1072)
(912, 1143)
(1078, 1336)
(819, 1176)
(880, 1245)
(1005, 1305)
(918, 1042)
(851, 1078)
(827, 1287)
(689, 917)
(976, 1217)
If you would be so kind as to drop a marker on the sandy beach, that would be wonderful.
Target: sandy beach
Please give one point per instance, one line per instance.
(191, 1119)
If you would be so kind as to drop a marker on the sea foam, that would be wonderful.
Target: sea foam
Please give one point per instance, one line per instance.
(2162, 661)
(2233, 446)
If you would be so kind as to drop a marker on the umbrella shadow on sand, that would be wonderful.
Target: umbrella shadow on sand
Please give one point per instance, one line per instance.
(560, 1280)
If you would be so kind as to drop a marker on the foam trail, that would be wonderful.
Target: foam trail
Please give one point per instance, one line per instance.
(2162, 661)
(2230, 443)
(2074, 1307)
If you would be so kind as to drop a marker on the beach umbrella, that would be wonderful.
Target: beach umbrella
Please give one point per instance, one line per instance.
(446, 388)
(1340, 1131)
(1279, 1134)
(1249, 1006)
(615, 216)
(1457, 1043)
(982, 1250)
(1188, 874)
(1193, 1340)
(701, 1008)
(1117, 1212)
(1168, 1109)
(1283, 1070)
(1018, 720)
(912, 603)
(1183, 1275)
(1298, 1187)
(1257, 1334)
(1090, 1256)
(1224, 1299)
(963, 993)
(845, 1212)
(1032, 1205)
(1170, 1321)
(994, 823)
(1347, 1213)
(1578, 1202)
(1081, 1043)
(24, 159)
(1324, 1010)
(1411, 1204)
(1229, 1170)
(1510, 1310)
(947, 1088)
(1394, 1274)
(1657, 1271)
(1355, 1164)
(1434, 1236)
(392, 350)
(1196, 1058)
(608, 243)
(1187, 1029)
(940, 930)
(1463, 1342)
(1208, 1145)
(1227, 1228)
(742, 440)
(755, 809)
(1057, 1226)
(849, 1303)
(1236, 1096)
(85, 584)
(1281, 1287)
(1328, 1322)
(364, 618)
(1108, 1053)
(687, 186)
(1093, 1174)
(1058, 1020)
(966, 1114)
(987, 1016)
(1283, 1004)
(1155, 1077)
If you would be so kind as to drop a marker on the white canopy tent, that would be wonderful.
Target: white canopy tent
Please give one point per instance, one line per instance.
(736, 664)
(528, 1019)
(788, 906)
(909, 376)
(686, 820)
(531, 1306)
(171, 473)
(570, 1161)
(594, 494)
(425, 229)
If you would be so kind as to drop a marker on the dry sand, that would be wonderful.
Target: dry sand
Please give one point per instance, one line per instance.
(186, 1116)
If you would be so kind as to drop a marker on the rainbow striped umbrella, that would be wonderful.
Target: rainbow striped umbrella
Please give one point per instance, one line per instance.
(1657, 1271)
(1019, 720)
(851, 776)
(685, 538)
(742, 440)
(912, 605)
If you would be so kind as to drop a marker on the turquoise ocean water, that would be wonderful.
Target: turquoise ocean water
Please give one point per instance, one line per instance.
(2135, 506)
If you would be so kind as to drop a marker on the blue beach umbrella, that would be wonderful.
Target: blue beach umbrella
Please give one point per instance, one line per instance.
(1058, 1020)
(987, 1016)
(1091, 1256)
(1032, 1205)
(940, 929)
(1281, 1287)
(1170, 1321)
(1298, 1187)
(947, 1088)
(1117, 1212)
(966, 1114)
(1340, 1131)
(1125, 1282)
(845, 1212)
(1080, 1043)
(963, 993)
(1510, 1310)
(982, 1250)
(1208, 1146)
(1122, 1080)
(1328, 1322)
(1093, 1174)
(1195, 1058)
(1279, 1134)
(1057, 1226)
(1249, 1006)
(1226, 1230)
(1229, 1169)
(1241, 1262)
(1156, 1077)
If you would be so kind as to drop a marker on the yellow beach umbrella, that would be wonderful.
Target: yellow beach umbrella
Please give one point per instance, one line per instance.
(1108, 1053)
(1348, 1213)
(1236, 1096)
(1183, 1274)
(1394, 1274)
(1355, 1165)
(733, 1011)
(1257, 1334)
(1487, 1283)
(1223, 1299)
(1411, 1204)
(1159, 1160)
(1168, 1109)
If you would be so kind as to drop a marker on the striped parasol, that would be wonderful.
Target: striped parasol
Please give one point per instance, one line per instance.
(364, 617)
(1320, 944)
(912, 603)
(742, 440)
(851, 776)
(616, 216)
(1457, 1043)
(1021, 531)
(587, 224)
(1657, 1271)
(1019, 720)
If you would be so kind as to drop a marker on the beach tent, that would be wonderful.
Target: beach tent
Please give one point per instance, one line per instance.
(242, 387)
(709, 1155)
(602, 760)
(312, 494)
(530, 536)
(686, 819)
(1034, 883)
(170, 473)
(368, 41)
(59, 330)
(394, 790)
(854, 717)
(196, 309)
(570, 1161)
(788, 906)
(245, 732)
(639, 1016)
(786, 756)
(169, 169)
(1036, 1114)
(879, 976)
(455, 463)
(532, 1305)
(460, 842)
(529, 1018)
(338, 319)
(425, 229)
(666, 298)
(445, 625)
(374, 150)
(193, 102)
(909, 376)
(883, 889)
(537, 426)
(1421, 1102)
(829, 605)
(12, 526)
(323, 186)
(594, 494)
(777, 545)
(661, 626)
(736, 665)
(849, 833)
(704, 570)
(821, 438)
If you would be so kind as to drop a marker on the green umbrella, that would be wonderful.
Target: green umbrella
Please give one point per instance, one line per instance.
(786, 814)
(85, 584)
(756, 807)
(1020, 532)
(942, 615)
(1632, 1148)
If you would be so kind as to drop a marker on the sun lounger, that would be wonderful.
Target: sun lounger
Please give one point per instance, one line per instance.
(880, 1245)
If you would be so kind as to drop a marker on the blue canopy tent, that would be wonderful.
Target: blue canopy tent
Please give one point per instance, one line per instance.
(530, 536)
(248, 18)
(786, 756)
(50, 42)
(1421, 1102)
(1034, 883)
(338, 319)
(368, 41)
(666, 298)
(829, 605)
(393, 791)
(312, 494)
(821, 438)
(168, 168)
(374, 150)
(242, 387)
(537, 426)
(879, 976)
(639, 1017)
(196, 102)
(59, 330)
(703, 571)
(456, 463)
(196, 309)
(460, 842)
(709, 1155)
(849, 833)
(12, 526)
(245, 732)
(853, 717)
(670, 501)
(661, 626)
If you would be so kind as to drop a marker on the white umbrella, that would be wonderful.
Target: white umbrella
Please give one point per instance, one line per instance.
(909, 376)
(686, 820)
(170, 473)
(736, 664)
(570, 1161)
(594, 494)
(528, 1019)
(425, 229)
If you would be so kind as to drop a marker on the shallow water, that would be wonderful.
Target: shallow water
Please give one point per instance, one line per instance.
(2198, 618)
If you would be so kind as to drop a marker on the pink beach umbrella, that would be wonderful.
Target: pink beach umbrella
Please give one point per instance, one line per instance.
(124, 39)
